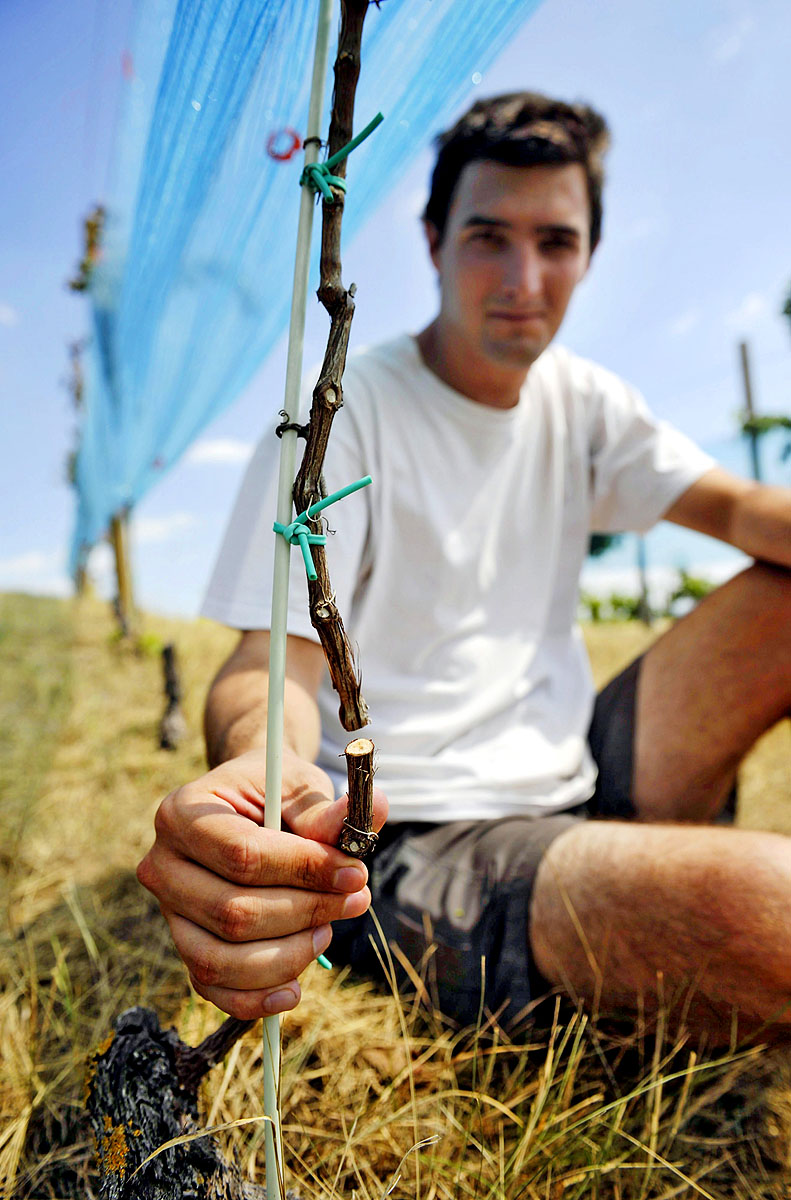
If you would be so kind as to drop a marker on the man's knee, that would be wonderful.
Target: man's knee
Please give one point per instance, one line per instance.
(761, 595)
(615, 905)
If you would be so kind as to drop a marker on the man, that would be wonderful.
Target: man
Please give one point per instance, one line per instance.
(494, 454)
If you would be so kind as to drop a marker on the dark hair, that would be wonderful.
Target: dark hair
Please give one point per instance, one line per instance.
(523, 129)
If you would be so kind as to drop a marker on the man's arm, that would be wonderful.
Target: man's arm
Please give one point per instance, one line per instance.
(249, 908)
(752, 517)
(236, 706)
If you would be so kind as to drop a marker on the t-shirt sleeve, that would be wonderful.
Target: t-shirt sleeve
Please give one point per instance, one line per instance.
(239, 593)
(639, 465)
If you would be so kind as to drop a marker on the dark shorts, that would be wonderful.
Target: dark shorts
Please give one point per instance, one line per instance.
(454, 898)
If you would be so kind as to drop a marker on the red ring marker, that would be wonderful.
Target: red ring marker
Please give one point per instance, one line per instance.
(276, 148)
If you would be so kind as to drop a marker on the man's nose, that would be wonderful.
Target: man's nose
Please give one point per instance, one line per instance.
(525, 273)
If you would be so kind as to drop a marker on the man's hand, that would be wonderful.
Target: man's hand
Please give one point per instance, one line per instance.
(249, 908)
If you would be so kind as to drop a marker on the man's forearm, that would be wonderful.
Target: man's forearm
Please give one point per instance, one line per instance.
(753, 517)
(762, 524)
(231, 730)
(235, 724)
(236, 706)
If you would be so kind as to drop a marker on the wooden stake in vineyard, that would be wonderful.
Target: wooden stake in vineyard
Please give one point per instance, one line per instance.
(142, 1084)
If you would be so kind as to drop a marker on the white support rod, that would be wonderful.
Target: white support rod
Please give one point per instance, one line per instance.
(275, 1186)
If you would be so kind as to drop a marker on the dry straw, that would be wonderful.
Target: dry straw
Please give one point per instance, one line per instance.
(380, 1096)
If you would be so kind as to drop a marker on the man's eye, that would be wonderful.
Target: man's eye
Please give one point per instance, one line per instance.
(488, 236)
(557, 244)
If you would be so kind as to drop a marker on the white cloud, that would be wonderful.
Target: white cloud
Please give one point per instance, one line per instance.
(219, 450)
(727, 42)
(37, 571)
(101, 564)
(8, 315)
(146, 530)
(685, 322)
(753, 307)
(32, 562)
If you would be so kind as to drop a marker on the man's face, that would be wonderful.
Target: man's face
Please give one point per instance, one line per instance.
(516, 245)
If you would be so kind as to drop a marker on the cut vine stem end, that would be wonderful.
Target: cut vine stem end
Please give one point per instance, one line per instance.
(357, 836)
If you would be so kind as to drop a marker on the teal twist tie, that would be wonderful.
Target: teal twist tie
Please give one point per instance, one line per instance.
(299, 534)
(319, 175)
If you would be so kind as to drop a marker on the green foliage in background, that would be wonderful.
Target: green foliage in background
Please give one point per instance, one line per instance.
(621, 606)
(600, 543)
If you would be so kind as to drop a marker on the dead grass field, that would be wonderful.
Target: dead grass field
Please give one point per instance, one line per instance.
(574, 1111)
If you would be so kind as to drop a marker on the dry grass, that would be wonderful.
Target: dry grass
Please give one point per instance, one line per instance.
(569, 1111)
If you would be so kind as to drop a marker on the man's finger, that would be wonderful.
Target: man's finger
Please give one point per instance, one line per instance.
(241, 782)
(244, 914)
(308, 806)
(251, 966)
(324, 822)
(248, 1006)
(209, 831)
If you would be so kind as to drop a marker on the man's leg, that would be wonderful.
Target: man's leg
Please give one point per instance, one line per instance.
(630, 915)
(708, 689)
(617, 907)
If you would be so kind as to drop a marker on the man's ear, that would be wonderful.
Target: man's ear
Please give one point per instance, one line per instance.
(434, 241)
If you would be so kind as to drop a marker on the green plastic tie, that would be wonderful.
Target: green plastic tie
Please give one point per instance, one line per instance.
(319, 175)
(298, 533)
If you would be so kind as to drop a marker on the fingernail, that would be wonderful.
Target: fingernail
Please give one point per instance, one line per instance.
(349, 879)
(351, 904)
(280, 1001)
(321, 938)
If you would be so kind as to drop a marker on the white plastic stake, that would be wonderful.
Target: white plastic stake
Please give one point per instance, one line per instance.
(275, 1180)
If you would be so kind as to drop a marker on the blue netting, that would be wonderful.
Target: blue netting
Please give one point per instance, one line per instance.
(193, 287)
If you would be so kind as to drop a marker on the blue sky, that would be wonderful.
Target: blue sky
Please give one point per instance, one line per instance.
(695, 254)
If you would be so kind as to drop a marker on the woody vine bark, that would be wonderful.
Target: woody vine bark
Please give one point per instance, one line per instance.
(328, 393)
(356, 837)
(142, 1082)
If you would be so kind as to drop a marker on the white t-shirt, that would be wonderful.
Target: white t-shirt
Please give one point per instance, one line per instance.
(456, 572)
